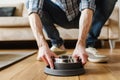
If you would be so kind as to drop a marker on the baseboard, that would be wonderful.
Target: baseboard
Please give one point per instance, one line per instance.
(18, 44)
(69, 44)
(117, 45)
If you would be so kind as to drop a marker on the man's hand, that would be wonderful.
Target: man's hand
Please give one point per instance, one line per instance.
(46, 55)
(44, 52)
(84, 26)
(80, 53)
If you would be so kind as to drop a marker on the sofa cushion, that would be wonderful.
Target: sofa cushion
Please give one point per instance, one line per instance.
(107, 22)
(7, 11)
(14, 22)
(16, 34)
(19, 7)
(104, 33)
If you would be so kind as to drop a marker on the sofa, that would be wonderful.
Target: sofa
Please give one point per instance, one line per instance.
(17, 27)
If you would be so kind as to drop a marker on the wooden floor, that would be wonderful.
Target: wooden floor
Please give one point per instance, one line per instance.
(30, 69)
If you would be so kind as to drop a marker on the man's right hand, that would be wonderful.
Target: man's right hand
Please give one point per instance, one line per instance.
(44, 52)
(46, 55)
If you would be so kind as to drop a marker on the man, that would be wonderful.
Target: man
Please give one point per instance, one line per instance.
(83, 14)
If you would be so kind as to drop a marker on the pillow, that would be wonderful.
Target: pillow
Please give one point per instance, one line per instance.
(7, 11)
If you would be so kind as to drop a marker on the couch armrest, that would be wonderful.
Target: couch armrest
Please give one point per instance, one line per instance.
(14, 22)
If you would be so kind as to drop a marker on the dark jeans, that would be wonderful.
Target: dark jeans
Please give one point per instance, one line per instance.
(52, 14)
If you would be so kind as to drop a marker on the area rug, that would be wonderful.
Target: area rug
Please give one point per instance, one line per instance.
(9, 57)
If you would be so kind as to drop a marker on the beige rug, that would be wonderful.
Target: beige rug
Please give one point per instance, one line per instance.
(9, 57)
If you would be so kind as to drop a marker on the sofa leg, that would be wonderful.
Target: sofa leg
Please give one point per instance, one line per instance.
(102, 43)
(112, 44)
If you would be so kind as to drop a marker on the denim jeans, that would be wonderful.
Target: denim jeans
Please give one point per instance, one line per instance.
(104, 9)
(52, 14)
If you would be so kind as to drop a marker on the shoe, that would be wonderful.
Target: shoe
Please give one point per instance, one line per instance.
(58, 50)
(94, 56)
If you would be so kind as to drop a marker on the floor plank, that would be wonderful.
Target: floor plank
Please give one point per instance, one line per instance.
(30, 73)
(62, 78)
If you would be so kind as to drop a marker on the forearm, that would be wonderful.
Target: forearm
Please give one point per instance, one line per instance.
(84, 25)
(36, 26)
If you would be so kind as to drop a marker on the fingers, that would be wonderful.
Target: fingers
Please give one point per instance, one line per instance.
(75, 56)
(55, 56)
(82, 57)
(39, 58)
(45, 60)
(50, 61)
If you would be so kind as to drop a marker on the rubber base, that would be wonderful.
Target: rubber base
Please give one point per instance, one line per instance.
(70, 72)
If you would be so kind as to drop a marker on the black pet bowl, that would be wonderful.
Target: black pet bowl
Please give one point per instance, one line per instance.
(65, 66)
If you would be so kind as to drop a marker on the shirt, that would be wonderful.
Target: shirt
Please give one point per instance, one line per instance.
(70, 7)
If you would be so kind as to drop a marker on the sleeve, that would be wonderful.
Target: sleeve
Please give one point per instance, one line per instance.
(34, 6)
(89, 4)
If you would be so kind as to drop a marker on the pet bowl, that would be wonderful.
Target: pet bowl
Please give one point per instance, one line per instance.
(65, 65)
